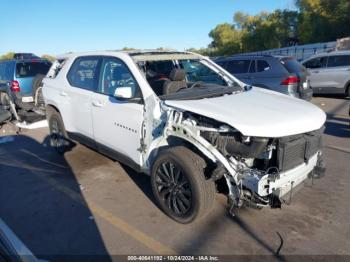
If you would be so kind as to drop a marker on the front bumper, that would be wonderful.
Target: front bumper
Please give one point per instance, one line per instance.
(280, 184)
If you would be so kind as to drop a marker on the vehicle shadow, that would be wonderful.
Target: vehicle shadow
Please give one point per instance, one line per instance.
(337, 126)
(42, 202)
(217, 224)
(142, 181)
(335, 96)
(213, 226)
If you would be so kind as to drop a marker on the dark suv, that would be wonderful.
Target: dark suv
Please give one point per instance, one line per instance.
(278, 73)
(20, 78)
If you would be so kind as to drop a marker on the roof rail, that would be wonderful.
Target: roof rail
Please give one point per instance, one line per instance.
(19, 56)
(247, 55)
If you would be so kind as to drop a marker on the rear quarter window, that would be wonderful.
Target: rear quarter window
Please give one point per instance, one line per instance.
(238, 66)
(292, 65)
(262, 66)
(31, 69)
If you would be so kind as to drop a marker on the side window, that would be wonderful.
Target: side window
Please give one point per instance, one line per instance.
(84, 73)
(262, 66)
(252, 68)
(238, 66)
(115, 74)
(2, 71)
(318, 62)
(8, 71)
(341, 60)
(222, 64)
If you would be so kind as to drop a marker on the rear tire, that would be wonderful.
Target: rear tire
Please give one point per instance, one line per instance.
(37, 91)
(180, 186)
(58, 135)
(347, 92)
(4, 100)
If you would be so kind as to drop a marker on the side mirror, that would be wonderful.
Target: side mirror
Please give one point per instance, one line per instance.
(124, 92)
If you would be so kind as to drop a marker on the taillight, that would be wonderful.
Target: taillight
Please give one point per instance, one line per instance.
(15, 86)
(290, 80)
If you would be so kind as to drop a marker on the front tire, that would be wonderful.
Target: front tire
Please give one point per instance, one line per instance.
(180, 186)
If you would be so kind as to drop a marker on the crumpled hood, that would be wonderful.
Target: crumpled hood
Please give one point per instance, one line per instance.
(258, 112)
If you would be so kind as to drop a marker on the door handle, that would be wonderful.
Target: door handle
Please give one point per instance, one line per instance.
(97, 104)
(62, 93)
(316, 72)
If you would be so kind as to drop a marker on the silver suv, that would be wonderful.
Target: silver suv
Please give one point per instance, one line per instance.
(282, 74)
(330, 72)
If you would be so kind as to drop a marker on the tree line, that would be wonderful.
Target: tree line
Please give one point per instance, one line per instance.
(313, 21)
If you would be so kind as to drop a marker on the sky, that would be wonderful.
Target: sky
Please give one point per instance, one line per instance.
(56, 27)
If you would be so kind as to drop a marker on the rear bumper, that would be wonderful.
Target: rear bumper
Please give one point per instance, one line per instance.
(306, 94)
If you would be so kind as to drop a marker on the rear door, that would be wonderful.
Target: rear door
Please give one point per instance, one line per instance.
(319, 80)
(83, 80)
(117, 123)
(265, 75)
(240, 69)
(338, 71)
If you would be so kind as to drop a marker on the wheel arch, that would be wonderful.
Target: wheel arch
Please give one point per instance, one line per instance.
(347, 87)
(51, 106)
(172, 141)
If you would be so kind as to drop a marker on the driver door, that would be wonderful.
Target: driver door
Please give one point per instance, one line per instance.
(117, 122)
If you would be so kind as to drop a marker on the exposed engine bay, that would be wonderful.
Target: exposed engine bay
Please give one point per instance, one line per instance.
(257, 171)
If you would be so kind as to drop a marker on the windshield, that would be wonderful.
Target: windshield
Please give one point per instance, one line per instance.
(31, 69)
(187, 79)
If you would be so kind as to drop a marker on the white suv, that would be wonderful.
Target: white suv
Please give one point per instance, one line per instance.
(189, 124)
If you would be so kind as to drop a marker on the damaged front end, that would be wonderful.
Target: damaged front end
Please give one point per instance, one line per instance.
(257, 171)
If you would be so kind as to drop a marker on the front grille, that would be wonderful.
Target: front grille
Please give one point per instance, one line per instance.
(295, 150)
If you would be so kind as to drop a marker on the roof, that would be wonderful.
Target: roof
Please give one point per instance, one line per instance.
(25, 60)
(140, 55)
(345, 52)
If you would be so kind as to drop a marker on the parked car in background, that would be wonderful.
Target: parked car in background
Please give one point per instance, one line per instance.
(21, 79)
(193, 127)
(330, 72)
(278, 73)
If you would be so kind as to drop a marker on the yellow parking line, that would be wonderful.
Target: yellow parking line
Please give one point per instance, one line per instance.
(151, 243)
(117, 222)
